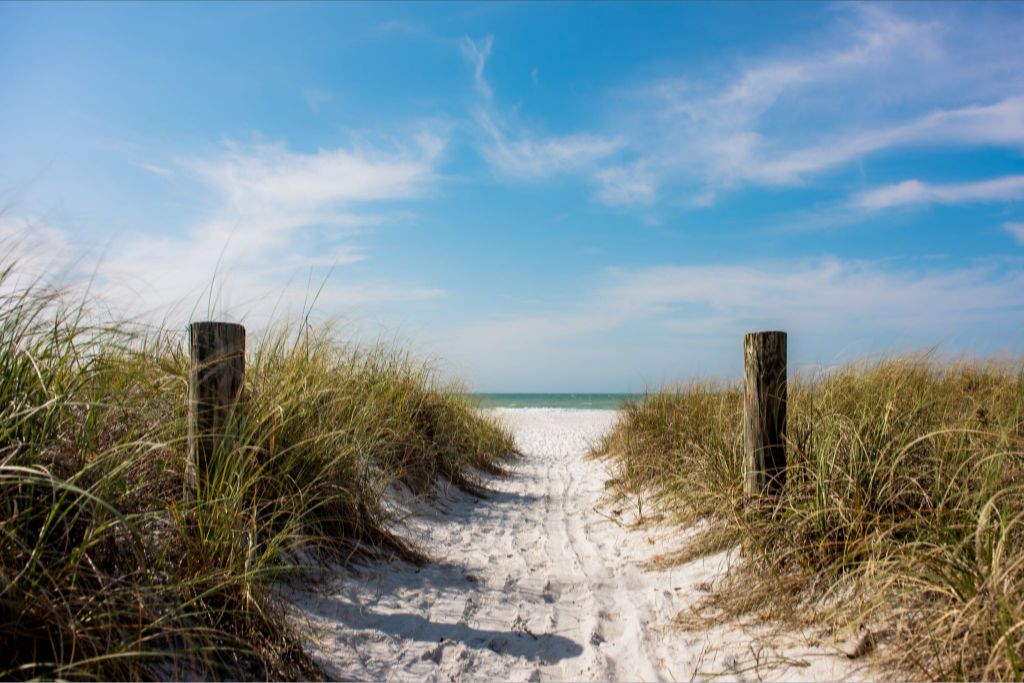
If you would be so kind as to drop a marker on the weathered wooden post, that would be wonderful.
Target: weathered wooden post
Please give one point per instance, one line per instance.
(217, 372)
(764, 412)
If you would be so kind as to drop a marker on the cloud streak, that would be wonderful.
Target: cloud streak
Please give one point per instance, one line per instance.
(284, 221)
(1016, 229)
(516, 151)
(998, 124)
(520, 154)
(827, 295)
(271, 174)
(645, 326)
(477, 54)
(778, 121)
(741, 136)
(916, 192)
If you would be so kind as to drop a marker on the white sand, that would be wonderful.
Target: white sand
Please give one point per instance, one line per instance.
(544, 580)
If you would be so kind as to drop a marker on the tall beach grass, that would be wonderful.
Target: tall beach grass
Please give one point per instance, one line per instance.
(112, 568)
(903, 511)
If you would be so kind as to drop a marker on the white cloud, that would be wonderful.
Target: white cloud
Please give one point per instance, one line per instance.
(283, 221)
(1016, 229)
(477, 54)
(876, 81)
(157, 169)
(998, 124)
(631, 184)
(517, 151)
(910, 192)
(832, 292)
(525, 155)
(316, 98)
(726, 156)
(832, 295)
(32, 250)
(646, 326)
(270, 174)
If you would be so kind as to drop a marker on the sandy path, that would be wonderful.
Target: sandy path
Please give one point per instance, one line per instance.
(540, 581)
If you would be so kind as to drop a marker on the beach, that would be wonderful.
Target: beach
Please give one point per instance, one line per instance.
(544, 579)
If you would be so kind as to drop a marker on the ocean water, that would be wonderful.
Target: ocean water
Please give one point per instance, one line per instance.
(572, 401)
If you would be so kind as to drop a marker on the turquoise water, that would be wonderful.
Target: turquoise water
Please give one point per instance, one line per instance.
(577, 401)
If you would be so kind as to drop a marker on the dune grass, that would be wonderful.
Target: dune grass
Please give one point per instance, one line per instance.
(903, 510)
(112, 568)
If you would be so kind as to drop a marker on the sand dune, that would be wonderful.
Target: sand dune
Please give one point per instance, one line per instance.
(543, 580)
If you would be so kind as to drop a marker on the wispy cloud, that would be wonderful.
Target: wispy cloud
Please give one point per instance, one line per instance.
(521, 153)
(524, 155)
(317, 98)
(911, 192)
(782, 119)
(271, 174)
(998, 124)
(477, 54)
(644, 326)
(1016, 229)
(837, 293)
(157, 169)
(631, 184)
(33, 249)
(284, 220)
(829, 295)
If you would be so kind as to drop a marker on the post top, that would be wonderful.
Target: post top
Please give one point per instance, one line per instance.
(215, 323)
(208, 329)
(751, 334)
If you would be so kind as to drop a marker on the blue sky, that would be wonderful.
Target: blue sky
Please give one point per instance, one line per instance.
(549, 197)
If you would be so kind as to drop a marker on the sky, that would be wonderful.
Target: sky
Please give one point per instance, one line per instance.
(542, 197)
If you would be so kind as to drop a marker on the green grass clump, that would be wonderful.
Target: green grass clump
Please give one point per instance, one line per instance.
(112, 567)
(903, 508)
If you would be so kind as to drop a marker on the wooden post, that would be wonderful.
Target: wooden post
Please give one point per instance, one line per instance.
(764, 412)
(215, 380)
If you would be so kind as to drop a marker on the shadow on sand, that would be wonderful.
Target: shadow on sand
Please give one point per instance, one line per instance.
(540, 648)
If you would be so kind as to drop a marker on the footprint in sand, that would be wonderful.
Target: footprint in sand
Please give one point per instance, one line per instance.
(552, 592)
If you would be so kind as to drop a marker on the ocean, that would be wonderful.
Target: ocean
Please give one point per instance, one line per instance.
(572, 401)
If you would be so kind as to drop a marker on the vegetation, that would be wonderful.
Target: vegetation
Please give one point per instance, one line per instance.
(112, 568)
(903, 510)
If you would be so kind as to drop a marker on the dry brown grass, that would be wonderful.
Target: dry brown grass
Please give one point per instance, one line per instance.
(110, 569)
(903, 509)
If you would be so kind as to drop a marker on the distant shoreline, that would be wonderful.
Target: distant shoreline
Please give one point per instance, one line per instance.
(576, 401)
